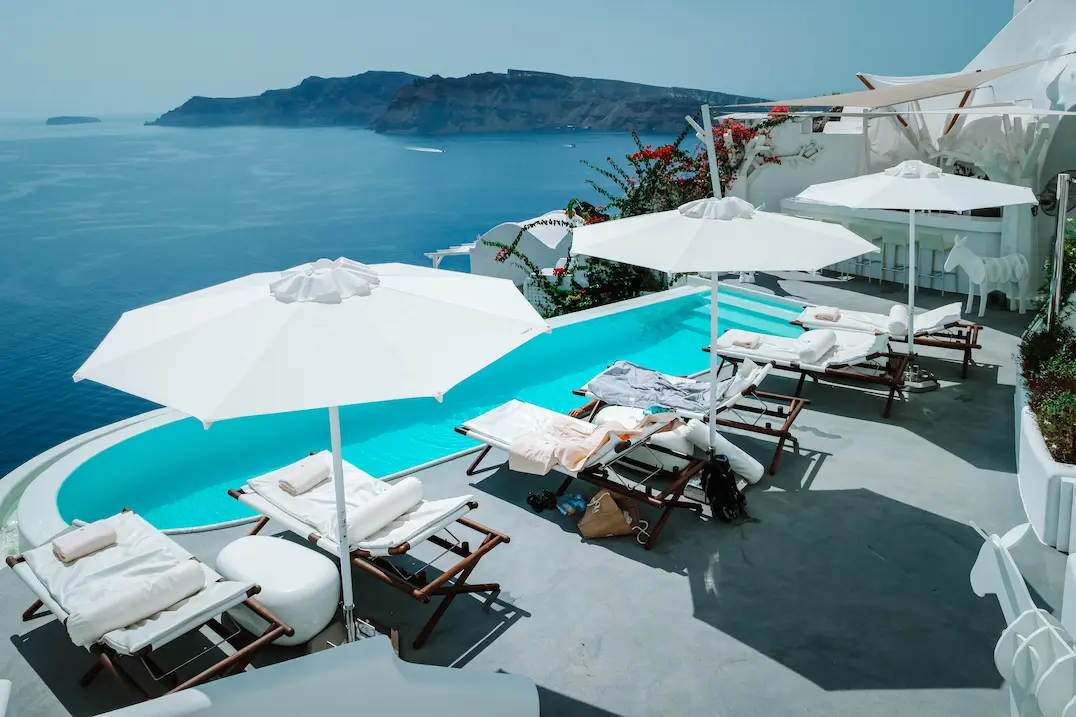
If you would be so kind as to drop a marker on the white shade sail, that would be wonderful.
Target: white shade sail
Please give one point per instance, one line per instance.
(320, 335)
(720, 235)
(915, 185)
(899, 94)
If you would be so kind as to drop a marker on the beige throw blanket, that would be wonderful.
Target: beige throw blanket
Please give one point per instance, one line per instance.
(571, 442)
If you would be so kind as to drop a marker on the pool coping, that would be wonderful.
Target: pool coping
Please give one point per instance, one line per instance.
(38, 514)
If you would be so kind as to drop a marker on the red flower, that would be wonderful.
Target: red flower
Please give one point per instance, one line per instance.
(558, 272)
(502, 255)
(779, 110)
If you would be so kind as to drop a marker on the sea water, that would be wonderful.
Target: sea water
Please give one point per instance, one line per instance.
(98, 219)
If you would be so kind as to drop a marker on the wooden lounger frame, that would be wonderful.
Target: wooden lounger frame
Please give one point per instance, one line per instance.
(416, 585)
(236, 662)
(890, 375)
(955, 336)
(599, 475)
(787, 410)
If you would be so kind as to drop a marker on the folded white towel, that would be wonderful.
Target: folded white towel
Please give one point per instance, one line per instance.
(827, 313)
(305, 475)
(741, 339)
(69, 547)
(812, 345)
(898, 320)
(374, 514)
(134, 600)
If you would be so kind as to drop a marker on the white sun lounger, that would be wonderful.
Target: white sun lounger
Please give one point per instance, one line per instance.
(855, 356)
(503, 425)
(764, 405)
(939, 328)
(140, 550)
(311, 515)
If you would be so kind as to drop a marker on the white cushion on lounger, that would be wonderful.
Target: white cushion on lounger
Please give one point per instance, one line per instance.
(851, 347)
(674, 440)
(513, 420)
(140, 550)
(865, 321)
(317, 507)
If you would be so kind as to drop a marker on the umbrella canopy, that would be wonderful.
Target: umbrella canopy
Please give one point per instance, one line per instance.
(915, 185)
(320, 335)
(715, 235)
(719, 235)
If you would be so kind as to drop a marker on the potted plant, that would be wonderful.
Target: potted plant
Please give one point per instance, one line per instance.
(1046, 416)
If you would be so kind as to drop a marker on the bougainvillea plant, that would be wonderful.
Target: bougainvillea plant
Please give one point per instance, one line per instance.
(655, 179)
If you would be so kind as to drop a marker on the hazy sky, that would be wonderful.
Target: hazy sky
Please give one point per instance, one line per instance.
(147, 56)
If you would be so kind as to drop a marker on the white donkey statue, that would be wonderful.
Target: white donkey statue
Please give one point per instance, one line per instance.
(987, 271)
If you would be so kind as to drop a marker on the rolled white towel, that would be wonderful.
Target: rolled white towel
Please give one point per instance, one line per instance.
(898, 320)
(79, 543)
(132, 600)
(740, 339)
(373, 515)
(742, 464)
(304, 475)
(827, 313)
(813, 345)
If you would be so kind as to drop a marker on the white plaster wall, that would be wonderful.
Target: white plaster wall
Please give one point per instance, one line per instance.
(840, 157)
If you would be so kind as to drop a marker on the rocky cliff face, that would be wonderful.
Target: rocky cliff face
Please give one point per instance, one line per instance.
(316, 102)
(528, 101)
(399, 103)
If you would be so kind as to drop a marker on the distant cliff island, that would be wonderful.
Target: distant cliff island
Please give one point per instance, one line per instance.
(66, 119)
(399, 103)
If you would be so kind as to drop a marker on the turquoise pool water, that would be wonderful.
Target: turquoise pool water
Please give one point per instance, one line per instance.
(177, 475)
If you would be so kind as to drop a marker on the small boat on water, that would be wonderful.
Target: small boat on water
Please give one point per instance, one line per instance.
(426, 149)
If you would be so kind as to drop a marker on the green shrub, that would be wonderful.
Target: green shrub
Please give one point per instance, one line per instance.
(1048, 364)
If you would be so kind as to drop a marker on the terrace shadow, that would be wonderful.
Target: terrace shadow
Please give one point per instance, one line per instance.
(954, 418)
(555, 704)
(466, 628)
(849, 589)
(796, 473)
(59, 665)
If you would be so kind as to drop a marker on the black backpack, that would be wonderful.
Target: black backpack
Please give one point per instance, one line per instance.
(726, 500)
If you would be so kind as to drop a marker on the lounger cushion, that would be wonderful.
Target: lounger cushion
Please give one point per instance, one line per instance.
(894, 324)
(317, 508)
(140, 550)
(850, 348)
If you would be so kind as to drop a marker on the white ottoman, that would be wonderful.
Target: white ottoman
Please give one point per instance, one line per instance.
(299, 585)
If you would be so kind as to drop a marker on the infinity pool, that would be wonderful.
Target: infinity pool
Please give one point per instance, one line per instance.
(177, 475)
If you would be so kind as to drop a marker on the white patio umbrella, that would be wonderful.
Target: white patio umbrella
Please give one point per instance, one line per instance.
(915, 185)
(712, 235)
(320, 335)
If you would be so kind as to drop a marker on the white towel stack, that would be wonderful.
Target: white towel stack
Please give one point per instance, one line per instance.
(813, 345)
(827, 313)
(133, 600)
(69, 547)
(305, 475)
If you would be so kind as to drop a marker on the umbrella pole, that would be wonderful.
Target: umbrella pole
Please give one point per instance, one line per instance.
(713, 361)
(341, 513)
(912, 278)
